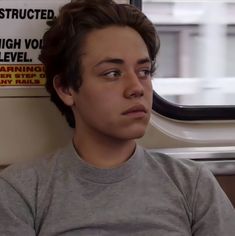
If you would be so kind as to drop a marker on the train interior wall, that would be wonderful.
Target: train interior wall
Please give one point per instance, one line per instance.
(32, 126)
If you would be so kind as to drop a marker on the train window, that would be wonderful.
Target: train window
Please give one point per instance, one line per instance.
(123, 1)
(195, 77)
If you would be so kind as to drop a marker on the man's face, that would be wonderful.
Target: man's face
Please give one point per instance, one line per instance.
(115, 97)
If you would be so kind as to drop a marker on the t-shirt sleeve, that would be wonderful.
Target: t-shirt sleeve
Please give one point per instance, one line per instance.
(213, 213)
(16, 218)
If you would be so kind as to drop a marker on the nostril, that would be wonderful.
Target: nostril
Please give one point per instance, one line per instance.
(135, 93)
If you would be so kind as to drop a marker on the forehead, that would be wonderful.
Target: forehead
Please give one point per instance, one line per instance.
(114, 41)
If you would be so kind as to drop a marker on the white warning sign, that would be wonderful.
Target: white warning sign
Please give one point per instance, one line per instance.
(22, 25)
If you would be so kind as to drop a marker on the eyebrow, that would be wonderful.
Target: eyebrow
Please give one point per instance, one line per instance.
(121, 61)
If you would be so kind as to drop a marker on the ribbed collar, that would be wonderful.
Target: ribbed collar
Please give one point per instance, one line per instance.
(106, 176)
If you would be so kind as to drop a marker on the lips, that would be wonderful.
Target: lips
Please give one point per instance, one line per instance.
(135, 109)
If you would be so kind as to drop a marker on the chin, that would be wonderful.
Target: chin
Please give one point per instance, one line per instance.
(134, 134)
(139, 135)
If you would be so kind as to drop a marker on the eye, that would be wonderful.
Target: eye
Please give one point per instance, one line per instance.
(113, 74)
(144, 73)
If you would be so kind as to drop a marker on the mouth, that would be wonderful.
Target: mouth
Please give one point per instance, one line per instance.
(137, 110)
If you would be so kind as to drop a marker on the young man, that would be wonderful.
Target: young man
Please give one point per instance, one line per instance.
(99, 57)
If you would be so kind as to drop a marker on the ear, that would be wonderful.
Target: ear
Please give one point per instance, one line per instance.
(65, 94)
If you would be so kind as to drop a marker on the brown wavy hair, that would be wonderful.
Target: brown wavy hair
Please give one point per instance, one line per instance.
(63, 42)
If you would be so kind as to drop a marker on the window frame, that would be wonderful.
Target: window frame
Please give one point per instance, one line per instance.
(137, 3)
(190, 112)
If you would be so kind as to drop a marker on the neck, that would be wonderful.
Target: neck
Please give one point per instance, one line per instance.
(103, 152)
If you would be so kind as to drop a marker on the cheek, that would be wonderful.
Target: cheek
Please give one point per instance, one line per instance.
(98, 103)
(150, 85)
(149, 89)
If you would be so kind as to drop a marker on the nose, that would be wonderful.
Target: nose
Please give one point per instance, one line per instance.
(133, 86)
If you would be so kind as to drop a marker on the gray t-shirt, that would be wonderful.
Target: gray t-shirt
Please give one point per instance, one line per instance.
(147, 195)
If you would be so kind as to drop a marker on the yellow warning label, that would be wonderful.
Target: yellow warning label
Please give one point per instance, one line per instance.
(22, 75)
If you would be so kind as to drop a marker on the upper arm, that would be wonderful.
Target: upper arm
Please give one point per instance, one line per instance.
(213, 213)
(16, 216)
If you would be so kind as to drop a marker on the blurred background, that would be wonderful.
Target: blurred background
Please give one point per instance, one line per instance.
(196, 62)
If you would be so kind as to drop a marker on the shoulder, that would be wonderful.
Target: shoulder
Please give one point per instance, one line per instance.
(27, 175)
(207, 201)
(183, 175)
(182, 171)
(176, 168)
(27, 188)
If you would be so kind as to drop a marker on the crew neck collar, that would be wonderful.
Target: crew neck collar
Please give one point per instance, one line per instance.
(98, 175)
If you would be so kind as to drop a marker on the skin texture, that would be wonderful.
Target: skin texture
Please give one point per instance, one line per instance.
(116, 77)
